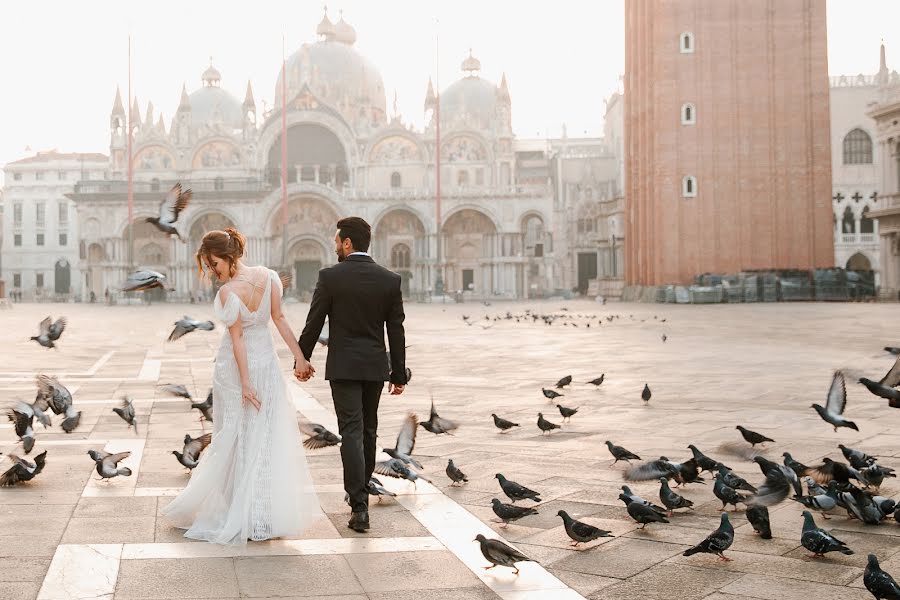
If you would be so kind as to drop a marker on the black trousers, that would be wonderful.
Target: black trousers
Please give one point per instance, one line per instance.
(356, 406)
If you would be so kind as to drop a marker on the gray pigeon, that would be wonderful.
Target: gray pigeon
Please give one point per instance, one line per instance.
(107, 464)
(752, 437)
(396, 468)
(733, 480)
(22, 417)
(510, 512)
(438, 424)
(821, 502)
(171, 206)
(632, 497)
(641, 513)
(646, 394)
(717, 542)
(879, 583)
(670, 499)
(818, 541)
(376, 488)
(126, 411)
(544, 425)
(22, 469)
(178, 390)
(833, 410)
(143, 280)
(551, 394)
(563, 382)
(189, 457)
(204, 407)
(726, 494)
(857, 458)
(49, 332)
(597, 381)
(886, 386)
(455, 475)
(499, 554)
(186, 325)
(759, 520)
(319, 436)
(620, 453)
(515, 492)
(406, 441)
(54, 395)
(579, 532)
(502, 424)
(566, 412)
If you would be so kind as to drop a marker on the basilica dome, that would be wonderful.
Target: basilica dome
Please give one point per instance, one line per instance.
(337, 73)
(212, 104)
(470, 100)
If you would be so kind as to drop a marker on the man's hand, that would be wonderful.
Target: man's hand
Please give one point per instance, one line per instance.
(303, 370)
(395, 389)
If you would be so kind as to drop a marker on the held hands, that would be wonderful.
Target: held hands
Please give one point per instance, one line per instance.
(303, 369)
(248, 396)
(395, 389)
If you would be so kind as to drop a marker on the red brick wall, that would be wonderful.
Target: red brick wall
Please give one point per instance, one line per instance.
(760, 148)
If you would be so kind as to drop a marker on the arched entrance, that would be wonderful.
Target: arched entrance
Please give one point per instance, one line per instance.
(399, 241)
(859, 262)
(400, 263)
(468, 237)
(306, 256)
(314, 154)
(62, 277)
(312, 219)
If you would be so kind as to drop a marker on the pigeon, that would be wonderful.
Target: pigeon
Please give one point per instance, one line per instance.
(319, 436)
(779, 482)
(733, 480)
(759, 520)
(579, 532)
(664, 338)
(892, 349)
(143, 280)
(857, 458)
(53, 394)
(878, 582)
(397, 469)
(177, 390)
(717, 542)
(833, 410)
(126, 411)
(49, 332)
(798, 467)
(437, 424)
(186, 325)
(818, 541)
(645, 394)
(641, 513)
(502, 424)
(499, 554)
(727, 495)
(670, 499)
(831, 469)
(189, 456)
(652, 470)
(406, 441)
(563, 382)
(544, 425)
(22, 469)
(566, 412)
(510, 512)
(874, 475)
(375, 488)
(620, 453)
(455, 475)
(704, 462)
(597, 381)
(551, 394)
(107, 464)
(39, 414)
(861, 505)
(821, 502)
(765, 465)
(752, 437)
(22, 417)
(632, 497)
(169, 209)
(515, 492)
(886, 386)
(204, 407)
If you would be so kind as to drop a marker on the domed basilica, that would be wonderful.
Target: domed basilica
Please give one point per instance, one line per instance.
(520, 218)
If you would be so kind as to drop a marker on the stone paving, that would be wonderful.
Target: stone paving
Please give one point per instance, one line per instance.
(64, 535)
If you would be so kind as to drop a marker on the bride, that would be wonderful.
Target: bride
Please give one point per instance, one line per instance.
(252, 482)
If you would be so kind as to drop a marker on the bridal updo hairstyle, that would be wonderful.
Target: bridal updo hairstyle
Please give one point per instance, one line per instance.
(227, 244)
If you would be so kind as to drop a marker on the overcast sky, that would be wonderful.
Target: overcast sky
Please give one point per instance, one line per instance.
(62, 60)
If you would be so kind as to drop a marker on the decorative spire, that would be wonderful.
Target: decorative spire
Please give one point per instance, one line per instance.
(471, 65)
(185, 103)
(211, 76)
(430, 99)
(394, 107)
(118, 108)
(161, 125)
(325, 28)
(249, 102)
(135, 113)
(882, 66)
(148, 119)
(343, 32)
(503, 91)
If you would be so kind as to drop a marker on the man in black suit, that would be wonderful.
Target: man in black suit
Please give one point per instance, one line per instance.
(360, 298)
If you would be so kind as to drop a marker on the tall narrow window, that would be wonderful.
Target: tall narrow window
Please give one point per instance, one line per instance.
(857, 148)
(63, 215)
(39, 213)
(689, 186)
(688, 114)
(687, 42)
(395, 179)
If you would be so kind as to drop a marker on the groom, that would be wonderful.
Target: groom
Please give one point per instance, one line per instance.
(360, 298)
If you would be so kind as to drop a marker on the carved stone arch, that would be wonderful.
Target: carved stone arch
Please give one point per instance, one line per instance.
(860, 261)
(398, 225)
(395, 147)
(216, 153)
(271, 133)
(497, 225)
(308, 213)
(466, 147)
(154, 156)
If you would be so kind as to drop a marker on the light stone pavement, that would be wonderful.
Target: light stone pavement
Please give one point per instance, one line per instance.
(65, 535)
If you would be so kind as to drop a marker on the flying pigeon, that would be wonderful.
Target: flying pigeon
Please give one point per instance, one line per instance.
(878, 582)
(652, 470)
(455, 475)
(49, 332)
(664, 338)
(22, 469)
(733, 480)
(597, 381)
(646, 394)
(717, 542)
(544, 425)
(566, 412)
(892, 349)
(22, 417)
(177, 390)
(395, 468)
(779, 482)
(551, 394)
(53, 394)
(798, 467)
(107, 464)
(563, 382)
(515, 492)
(186, 325)
(874, 475)
(759, 520)
(204, 407)
(189, 456)
(818, 541)
(499, 554)
(579, 532)
(641, 513)
(670, 499)
(319, 436)
(886, 386)
(169, 209)
(620, 453)
(833, 410)
(143, 280)
(831, 469)
(502, 424)
(406, 441)
(437, 424)
(510, 512)
(377, 489)
(126, 411)
(752, 437)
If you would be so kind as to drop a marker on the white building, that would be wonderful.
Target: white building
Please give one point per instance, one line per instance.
(39, 247)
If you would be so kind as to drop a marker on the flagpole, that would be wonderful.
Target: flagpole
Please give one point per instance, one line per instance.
(439, 279)
(284, 211)
(130, 169)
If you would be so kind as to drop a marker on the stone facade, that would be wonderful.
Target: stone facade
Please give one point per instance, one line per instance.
(727, 141)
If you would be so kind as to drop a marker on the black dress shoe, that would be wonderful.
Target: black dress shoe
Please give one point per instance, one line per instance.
(359, 521)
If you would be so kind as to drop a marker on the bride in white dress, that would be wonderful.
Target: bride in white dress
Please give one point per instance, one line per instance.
(253, 482)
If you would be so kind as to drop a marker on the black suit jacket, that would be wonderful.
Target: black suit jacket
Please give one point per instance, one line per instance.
(360, 298)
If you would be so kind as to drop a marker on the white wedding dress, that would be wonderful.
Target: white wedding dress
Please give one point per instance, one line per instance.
(253, 482)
